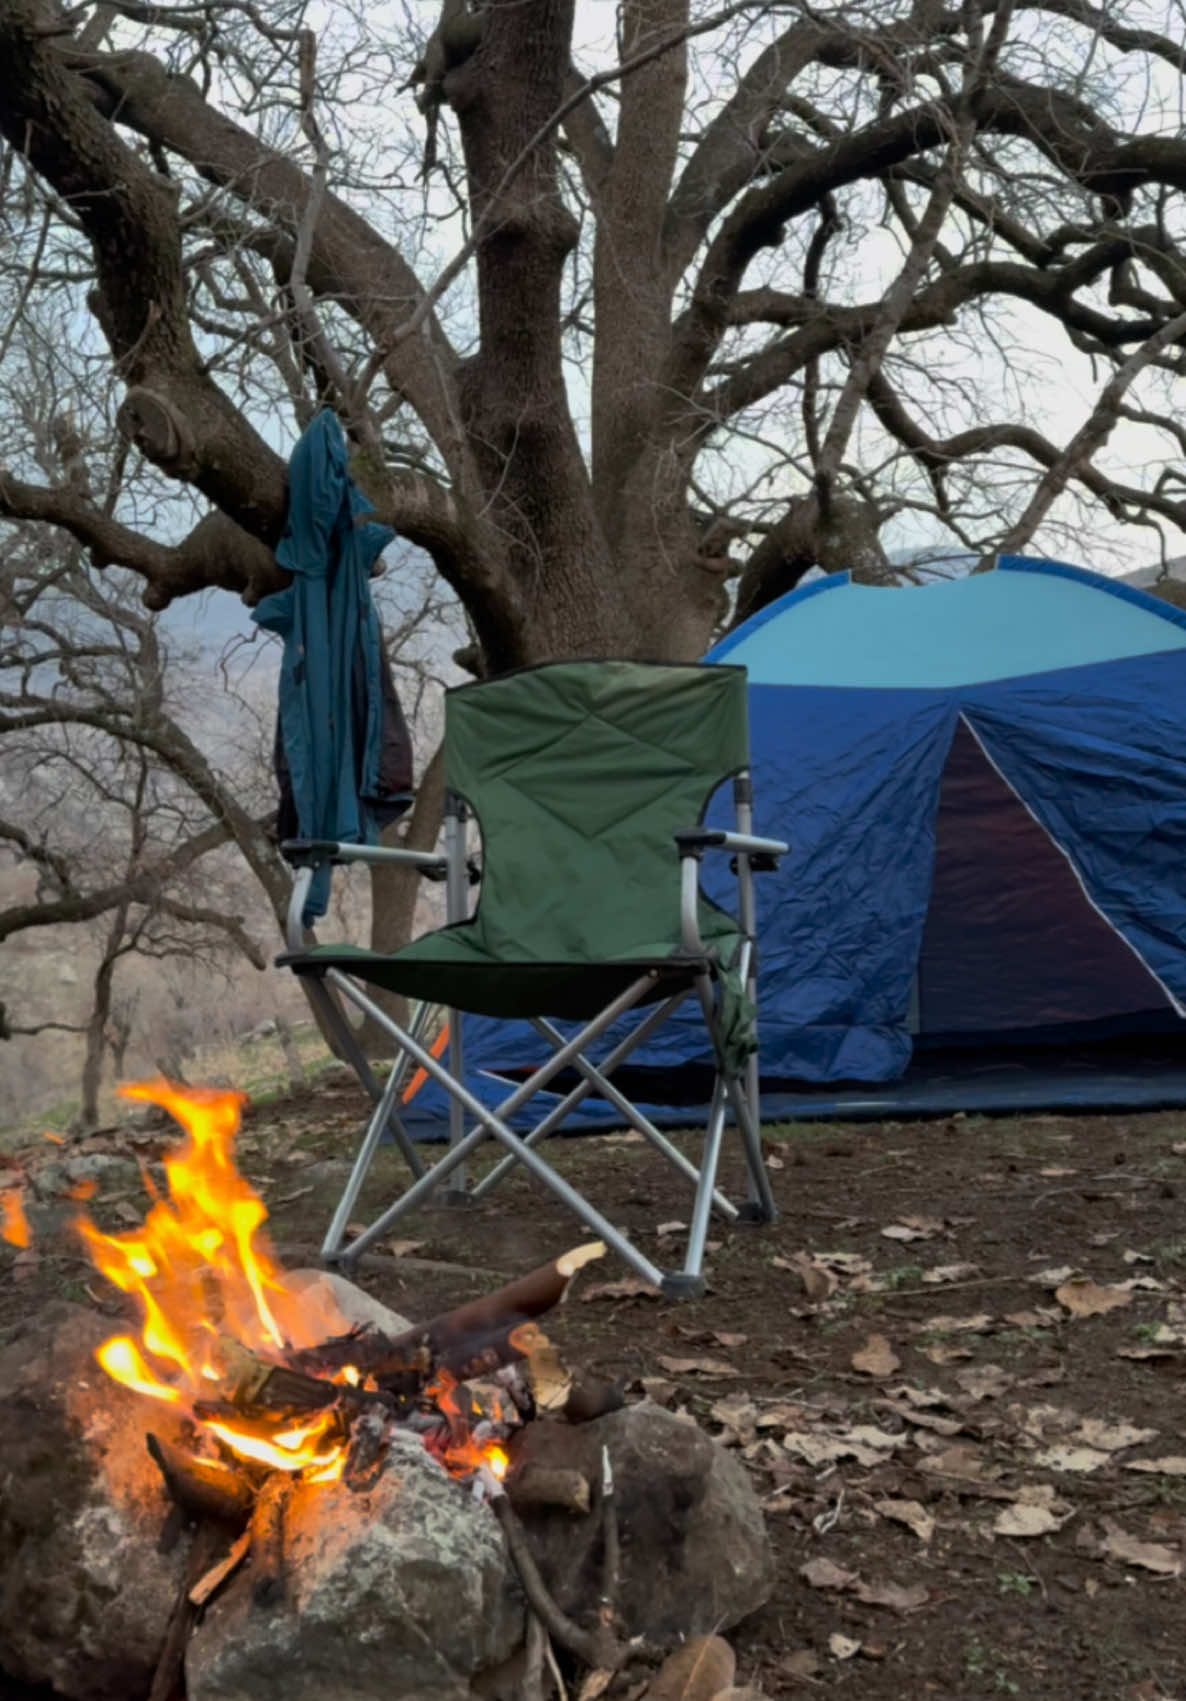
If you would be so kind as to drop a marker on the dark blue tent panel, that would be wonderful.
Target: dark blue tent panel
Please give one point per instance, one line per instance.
(984, 785)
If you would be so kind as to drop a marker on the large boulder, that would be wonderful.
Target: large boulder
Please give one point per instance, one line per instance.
(398, 1592)
(85, 1588)
(696, 1556)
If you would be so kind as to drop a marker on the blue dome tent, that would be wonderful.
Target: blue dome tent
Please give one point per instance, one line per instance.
(984, 785)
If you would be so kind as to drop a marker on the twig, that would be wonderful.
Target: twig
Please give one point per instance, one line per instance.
(217, 1575)
(597, 1648)
(533, 1660)
(166, 1680)
(611, 1553)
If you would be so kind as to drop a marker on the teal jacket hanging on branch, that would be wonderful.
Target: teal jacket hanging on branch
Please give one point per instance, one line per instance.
(343, 755)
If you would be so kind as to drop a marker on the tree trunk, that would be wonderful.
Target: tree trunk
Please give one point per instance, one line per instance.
(96, 1032)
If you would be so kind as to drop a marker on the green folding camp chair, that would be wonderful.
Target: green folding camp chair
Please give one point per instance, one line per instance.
(589, 781)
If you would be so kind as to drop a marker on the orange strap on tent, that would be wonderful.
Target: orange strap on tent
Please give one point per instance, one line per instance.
(421, 1075)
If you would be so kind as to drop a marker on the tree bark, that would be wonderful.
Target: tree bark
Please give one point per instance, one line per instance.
(96, 1032)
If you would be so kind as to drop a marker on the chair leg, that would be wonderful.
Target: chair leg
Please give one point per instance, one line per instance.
(596, 1080)
(491, 1124)
(690, 1282)
(760, 1206)
(383, 1117)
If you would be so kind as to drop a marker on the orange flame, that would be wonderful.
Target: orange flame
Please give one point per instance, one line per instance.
(201, 1270)
(14, 1224)
(203, 1273)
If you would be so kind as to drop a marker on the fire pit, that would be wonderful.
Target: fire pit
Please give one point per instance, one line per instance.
(337, 1488)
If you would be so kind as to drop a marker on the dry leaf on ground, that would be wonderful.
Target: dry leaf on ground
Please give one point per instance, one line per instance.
(712, 1367)
(912, 1513)
(842, 1647)
(823, 1573)
(1071, 1458)
(844, 1263)
(962, 1462)
(696, 1672)
(945, 1352)
(818, 1281)
(944, 1426)
(1150, 1556)
(1085, 1298)
(984, 1381)
(738, 1415)
(1023, 1520)
(897, 1597)
(950, 1273)
(1112, 1437)
(876, 1358)
(628, 1287)
(973, 1324)
(1175, 1466)
(817, 1449)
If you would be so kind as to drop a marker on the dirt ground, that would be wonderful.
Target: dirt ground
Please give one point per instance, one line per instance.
(954, 1368)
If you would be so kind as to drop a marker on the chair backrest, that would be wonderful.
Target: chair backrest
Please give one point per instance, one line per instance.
(579, 774)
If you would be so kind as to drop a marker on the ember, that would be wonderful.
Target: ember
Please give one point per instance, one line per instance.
(223, 1339)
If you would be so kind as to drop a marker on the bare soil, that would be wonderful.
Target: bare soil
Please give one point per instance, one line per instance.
(1005, 1411)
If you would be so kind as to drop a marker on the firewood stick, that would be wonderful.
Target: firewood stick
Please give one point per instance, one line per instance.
(166, 1680)
(217, 1575)
(598, 1648)
(267, 1538)
(203, 1488)
(455, 1339)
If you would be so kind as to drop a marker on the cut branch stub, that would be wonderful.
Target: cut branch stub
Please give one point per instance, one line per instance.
(153, 424)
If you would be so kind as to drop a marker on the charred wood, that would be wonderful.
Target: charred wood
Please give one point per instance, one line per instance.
(202, 1488)
(267, 1539)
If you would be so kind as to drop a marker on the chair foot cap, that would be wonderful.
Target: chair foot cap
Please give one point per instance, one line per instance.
(750, 1212)
(679, 1285)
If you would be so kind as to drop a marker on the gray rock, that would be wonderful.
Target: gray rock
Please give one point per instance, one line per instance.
(400, 1592)
(696, 1557)
(328, 1293)
(85, 1591)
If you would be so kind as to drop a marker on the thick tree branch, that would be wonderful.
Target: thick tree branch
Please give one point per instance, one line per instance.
(173, 410)
(216, 552)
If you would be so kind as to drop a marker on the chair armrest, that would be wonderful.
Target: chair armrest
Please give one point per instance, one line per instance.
(699, 839)
(309, 853)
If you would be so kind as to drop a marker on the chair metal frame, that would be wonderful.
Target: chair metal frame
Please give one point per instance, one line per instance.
(740, 1094)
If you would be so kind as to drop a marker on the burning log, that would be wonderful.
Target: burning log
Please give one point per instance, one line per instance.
(471, 1339)
(202, 1488)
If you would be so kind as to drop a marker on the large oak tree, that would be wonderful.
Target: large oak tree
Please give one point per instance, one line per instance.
(720, 303)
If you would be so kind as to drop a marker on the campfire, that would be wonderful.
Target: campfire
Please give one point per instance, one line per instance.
(279, 1380)
(274, 1387)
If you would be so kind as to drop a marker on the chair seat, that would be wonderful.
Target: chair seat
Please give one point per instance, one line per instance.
(464, 979)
